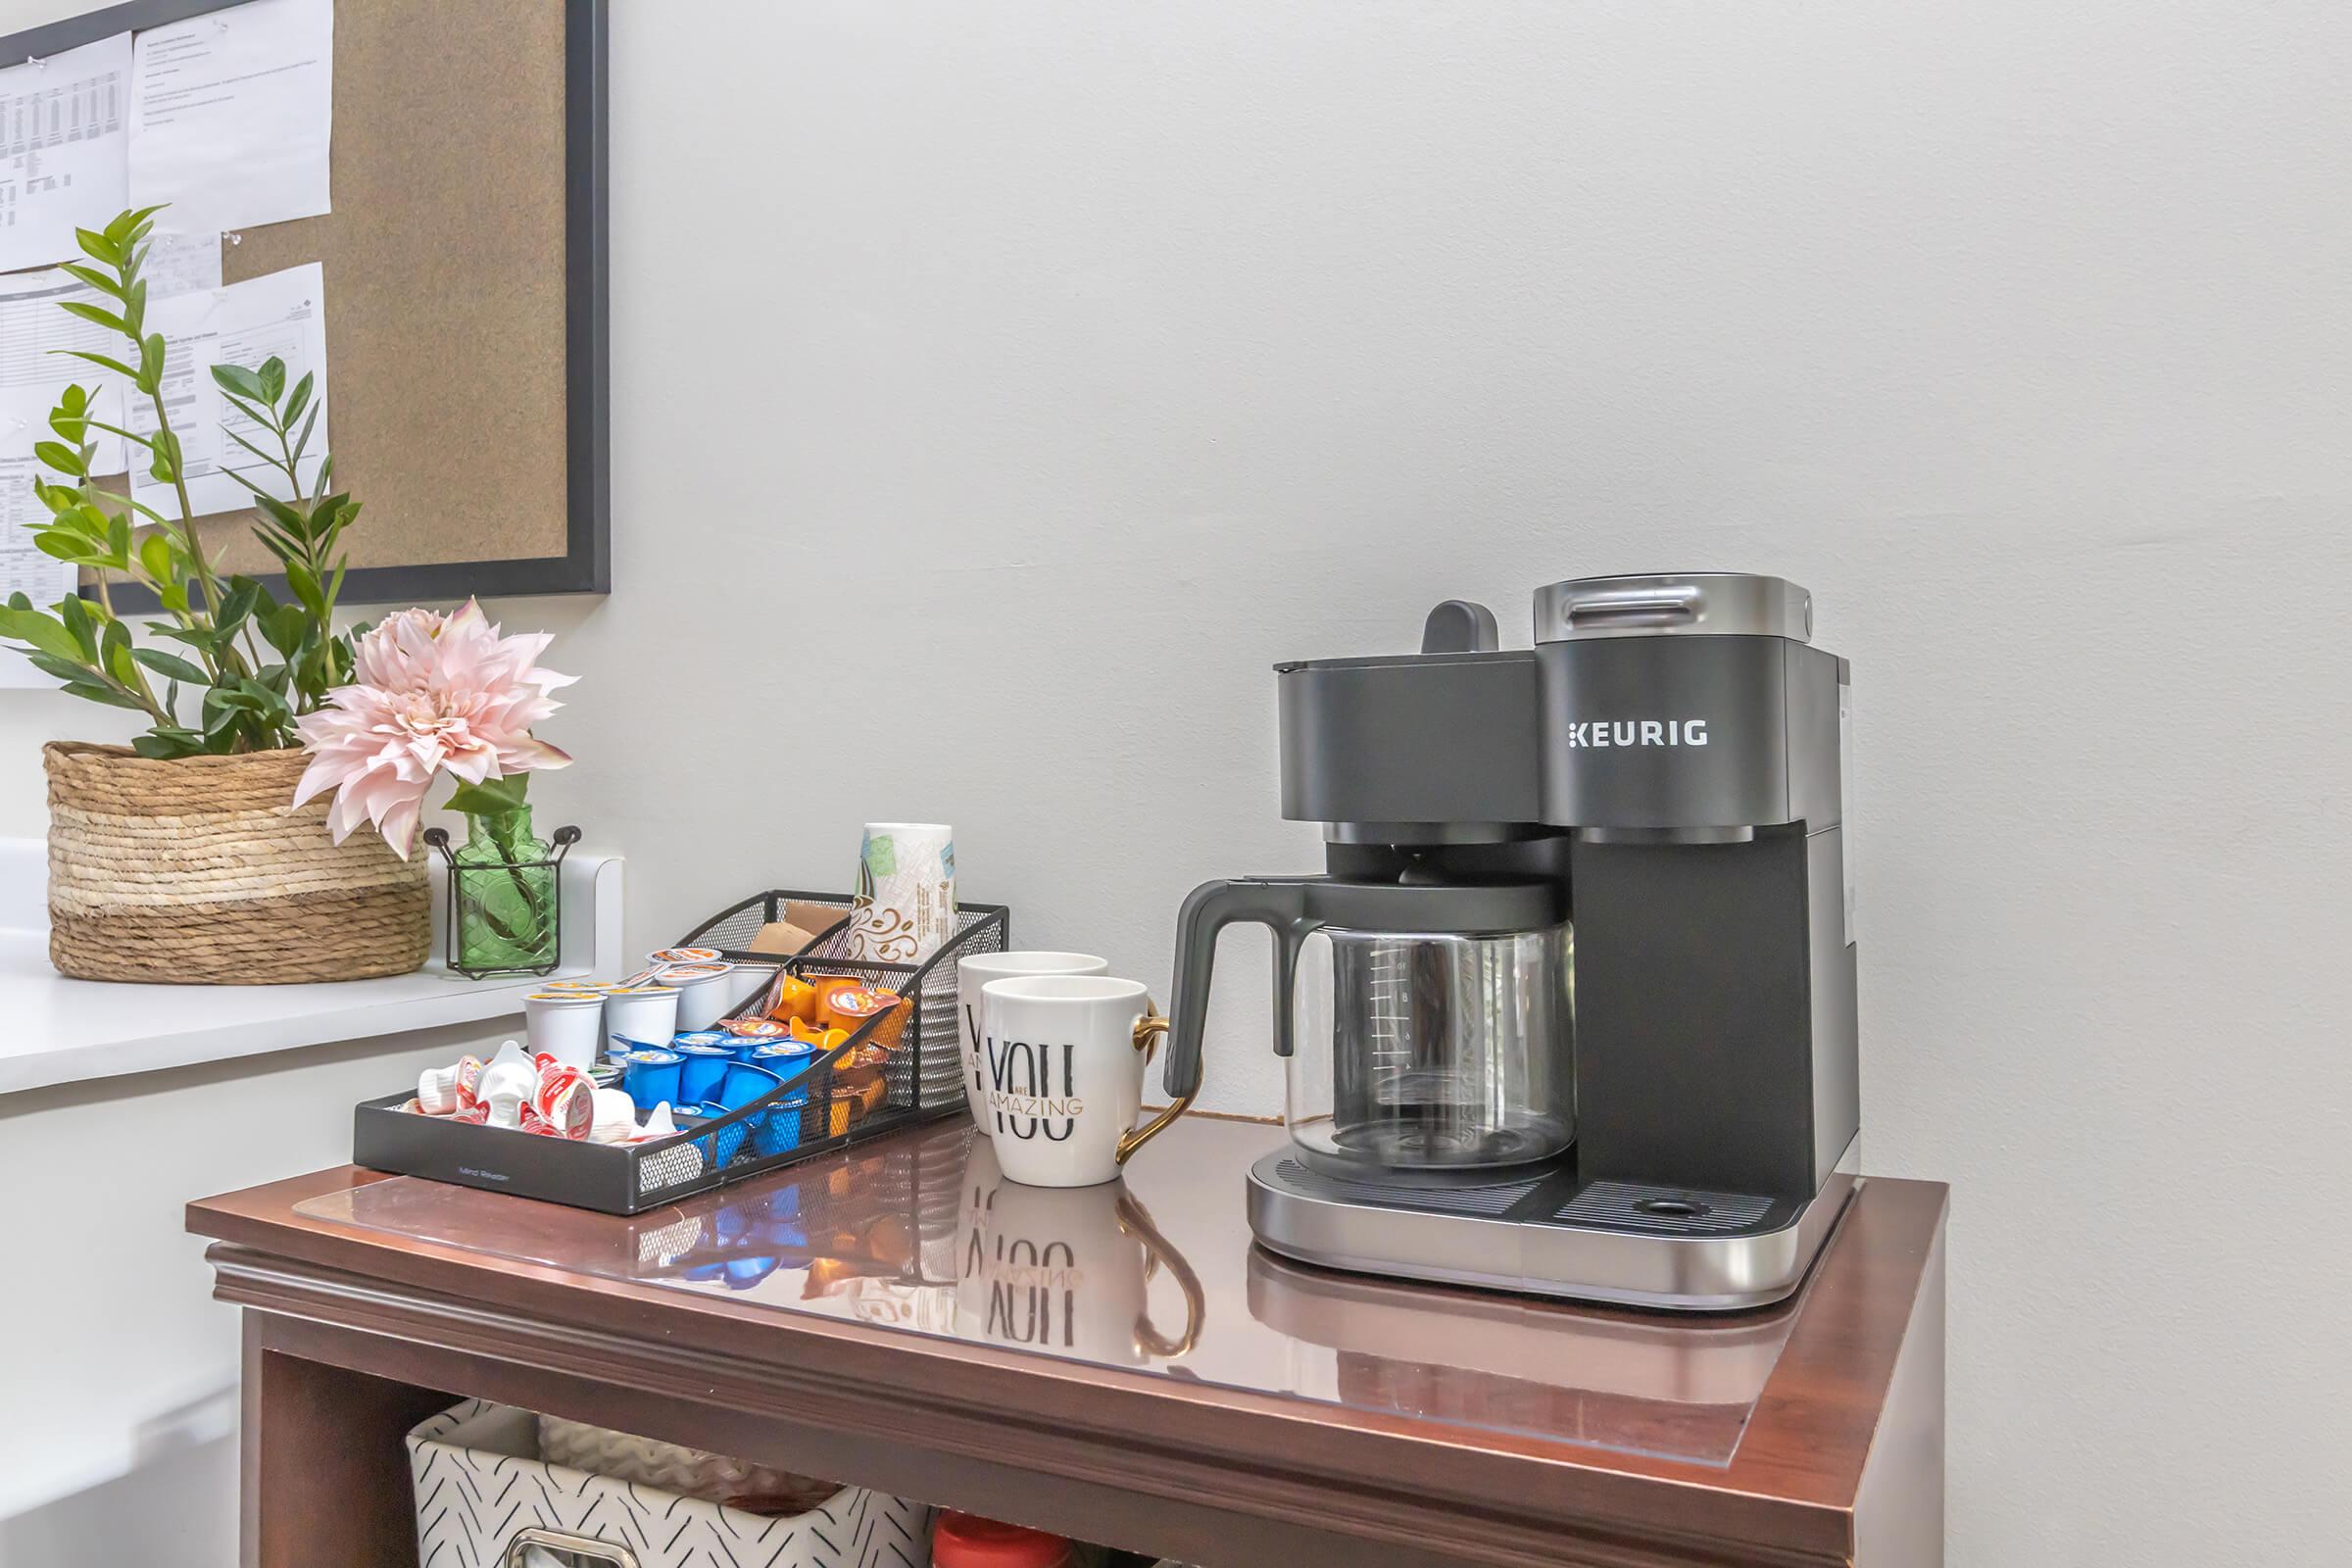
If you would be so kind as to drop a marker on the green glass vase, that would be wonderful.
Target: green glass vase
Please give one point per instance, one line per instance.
(505, 896)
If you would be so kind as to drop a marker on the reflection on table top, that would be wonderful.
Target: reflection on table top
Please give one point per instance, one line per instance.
(1154, 1274)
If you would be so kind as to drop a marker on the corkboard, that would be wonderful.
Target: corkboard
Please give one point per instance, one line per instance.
(464, 266)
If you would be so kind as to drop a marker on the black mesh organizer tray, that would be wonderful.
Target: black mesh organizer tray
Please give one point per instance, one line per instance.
(922, 1080)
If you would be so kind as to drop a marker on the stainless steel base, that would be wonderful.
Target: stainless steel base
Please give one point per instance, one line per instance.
(1550, 1233)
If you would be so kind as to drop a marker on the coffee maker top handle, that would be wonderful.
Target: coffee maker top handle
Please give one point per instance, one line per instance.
(1279, 903)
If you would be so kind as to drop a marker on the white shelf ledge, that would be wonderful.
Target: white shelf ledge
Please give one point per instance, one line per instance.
(54, 1030)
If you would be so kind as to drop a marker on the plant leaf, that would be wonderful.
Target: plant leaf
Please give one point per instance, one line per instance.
(284, 628)
(64, 459)
(493, 797)
(239, 380)
(102, 362)
(98, 245)
(297, 400)
(170, 665)
(98, 314)
(75, 615)
(112, 698)
(41, 632)
(103, 282)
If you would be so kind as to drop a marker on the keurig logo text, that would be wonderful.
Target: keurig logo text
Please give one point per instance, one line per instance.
(1639, 732)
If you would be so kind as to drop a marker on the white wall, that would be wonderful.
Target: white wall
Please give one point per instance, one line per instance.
(999, 390)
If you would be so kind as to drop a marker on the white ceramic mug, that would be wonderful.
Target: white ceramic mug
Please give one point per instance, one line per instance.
(1062, 1061)
(978, 970)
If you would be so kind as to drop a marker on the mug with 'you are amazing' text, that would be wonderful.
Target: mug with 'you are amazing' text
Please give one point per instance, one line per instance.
(1062, 1072)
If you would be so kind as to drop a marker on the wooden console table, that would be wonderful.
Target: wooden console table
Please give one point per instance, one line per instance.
(1119, 1364)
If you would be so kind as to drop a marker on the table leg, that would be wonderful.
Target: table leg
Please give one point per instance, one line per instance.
(324, 1478)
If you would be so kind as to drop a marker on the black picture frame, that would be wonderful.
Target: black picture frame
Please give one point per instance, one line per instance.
(586, 564)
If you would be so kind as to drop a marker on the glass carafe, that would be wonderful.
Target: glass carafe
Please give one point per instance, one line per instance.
(1432, 1051)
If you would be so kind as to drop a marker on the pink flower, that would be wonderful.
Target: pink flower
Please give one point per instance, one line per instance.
(434, 695)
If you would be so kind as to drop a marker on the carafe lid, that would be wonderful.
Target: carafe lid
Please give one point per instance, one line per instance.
(1437, 908)
(1708, 604)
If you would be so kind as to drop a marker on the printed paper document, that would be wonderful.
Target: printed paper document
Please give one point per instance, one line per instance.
(281, 316)
(33, 371)
(23, 569)
(230, 115)
(63, 150)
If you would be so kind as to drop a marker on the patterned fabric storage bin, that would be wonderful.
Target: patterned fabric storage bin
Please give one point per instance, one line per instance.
(485, 1498)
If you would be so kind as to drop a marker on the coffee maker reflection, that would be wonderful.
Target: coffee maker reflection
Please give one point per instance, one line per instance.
(1065, 1270)
(1674, 1386)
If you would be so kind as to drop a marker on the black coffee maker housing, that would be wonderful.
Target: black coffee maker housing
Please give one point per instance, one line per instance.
(1672, 751)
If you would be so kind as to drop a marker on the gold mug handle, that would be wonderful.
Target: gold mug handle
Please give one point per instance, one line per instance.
(1135, 1220)
(1148, 1029)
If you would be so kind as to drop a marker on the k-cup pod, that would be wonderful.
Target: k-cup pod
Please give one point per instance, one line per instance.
(702, 1070)
(848, 1006)
(437, 1090)
(737, 1048)
(788, 1060)
(613, 1118)
(727, 1141)
(779, 1131)
(704, 990)
(760, 1029)
(676, 955)
(643, 1012)
(567, 1025)
(651, 1077)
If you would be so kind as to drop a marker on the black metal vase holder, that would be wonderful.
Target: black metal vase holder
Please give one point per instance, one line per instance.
(452, 901)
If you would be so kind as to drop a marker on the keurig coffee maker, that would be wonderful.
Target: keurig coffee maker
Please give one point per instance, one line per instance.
(1572, 1008)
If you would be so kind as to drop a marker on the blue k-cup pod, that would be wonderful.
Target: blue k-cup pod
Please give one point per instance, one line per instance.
(651, 1077)
(780, 1129)
(726, 1143)
(702, 1069)
(745, 1083)
(705, 1037)
(786, 1058)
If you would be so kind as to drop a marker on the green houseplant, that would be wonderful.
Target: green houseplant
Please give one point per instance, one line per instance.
(178, 857)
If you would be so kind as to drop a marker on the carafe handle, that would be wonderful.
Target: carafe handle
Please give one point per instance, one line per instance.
(1277, 903)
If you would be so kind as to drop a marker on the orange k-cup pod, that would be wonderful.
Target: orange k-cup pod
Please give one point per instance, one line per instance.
(753, 1028)
(814, 1034)
(849, 1006)
(792, 997)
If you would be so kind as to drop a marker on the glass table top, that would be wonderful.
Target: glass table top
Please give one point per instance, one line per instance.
(1156, 1273)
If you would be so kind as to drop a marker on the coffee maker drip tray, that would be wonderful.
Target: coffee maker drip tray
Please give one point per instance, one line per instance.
(1548, 1233)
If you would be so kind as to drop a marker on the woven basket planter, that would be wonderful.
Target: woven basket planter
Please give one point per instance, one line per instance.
(196, 872)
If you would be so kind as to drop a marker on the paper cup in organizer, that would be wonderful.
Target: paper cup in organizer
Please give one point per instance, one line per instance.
(569, 1025)
(978, 970)
(904, 908)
